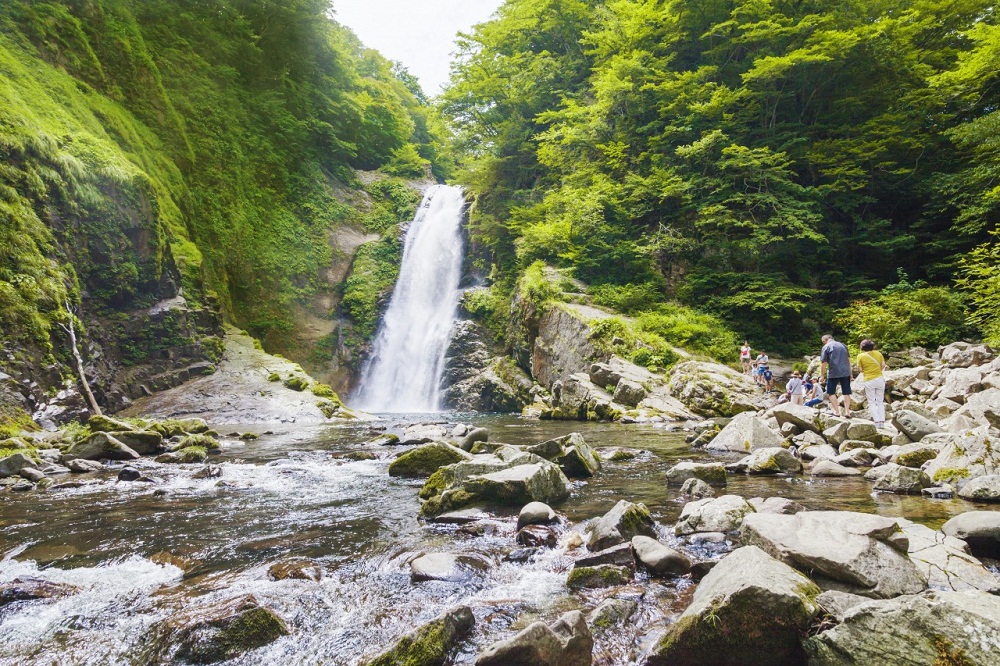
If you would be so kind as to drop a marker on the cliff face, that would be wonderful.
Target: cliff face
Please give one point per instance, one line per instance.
(165, 166)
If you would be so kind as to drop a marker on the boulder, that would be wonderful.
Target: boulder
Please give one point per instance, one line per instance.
(217, 632)
(475, 435)
(903, 481)
(629, 393)
(936, 627)
(101, 446)
(598, 576)
(745, 433)
(806, 419)
(430, 644)
(713, 389)
(964, 355)
(13, 464)
(775, 505)
(913, 425)
(959, 383)
(838, 603)
(915, 455)
(540, 482)
(536, 536)
(711, 473)
(143, 442)
(566, 642)
(979, 529)
(945, 561)
(966, 456)
(976, 409)
(855, 458)
(296, 569)
(773, 461)
(29, 589)
(81, 466)
(612, 613)
(818, 452)
(616, 369)
(697, 488)
(129, 474)
(659, 558)
(982, 489)
(620, 555)
(750, 608)
(426, 459)
(719, 514)
(842, 550)
(102, 423)
(444, 566)
(535, 513)
(423, 433)
(619, 525)
(830, 468)
(192, 454)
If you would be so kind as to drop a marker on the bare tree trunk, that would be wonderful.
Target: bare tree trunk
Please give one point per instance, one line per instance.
(91, 402)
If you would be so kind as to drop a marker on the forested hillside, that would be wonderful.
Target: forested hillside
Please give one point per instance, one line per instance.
(205, 145)
(769, 163)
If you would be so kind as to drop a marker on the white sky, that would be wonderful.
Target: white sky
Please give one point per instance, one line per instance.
(418, 33)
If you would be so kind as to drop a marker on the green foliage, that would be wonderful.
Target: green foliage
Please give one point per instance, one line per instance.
(373, 273)
(763, 162)
(324, 391)
(296, 383)
(980, 276)
(691, 330)
(536, 287)
(393, 202)
(641, 347)
(212, 135)
(904, 318)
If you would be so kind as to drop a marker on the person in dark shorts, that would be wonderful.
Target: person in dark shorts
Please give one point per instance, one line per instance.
(835, 364)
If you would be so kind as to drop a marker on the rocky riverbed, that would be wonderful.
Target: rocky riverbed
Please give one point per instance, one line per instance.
(782, 534)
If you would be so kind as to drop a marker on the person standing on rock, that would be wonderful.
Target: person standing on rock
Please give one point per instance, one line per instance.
(745, 357)
(871, 364)
(835, 365)
(795, 389)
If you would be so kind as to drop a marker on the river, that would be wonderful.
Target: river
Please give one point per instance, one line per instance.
(291, 494)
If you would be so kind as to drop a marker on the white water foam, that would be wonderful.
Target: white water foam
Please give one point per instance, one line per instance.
(404, 371)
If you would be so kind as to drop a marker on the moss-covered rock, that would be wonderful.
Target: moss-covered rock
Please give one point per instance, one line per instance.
(426, 459)
(602, 575)
(191, 454)
(431, 644)
(748, 604)
(217, 632)
(203, 441)
(100, 423)
(711, 473)
(296, 383)
(624, 521)
(100, 446)
(143, 442)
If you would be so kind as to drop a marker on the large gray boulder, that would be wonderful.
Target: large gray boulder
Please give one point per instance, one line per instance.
(965, 355)
(710, 473)
(432, 643)
(966, 456)
(774, 460)
(982, 489)
(718, 514)
(566, 642)
(903, 481)
(444, 566)
(841, 550)
(619, 525)
(979, 529)
(629, 393)
(750, 608)
(13, 464)
(959, 383)
(913, 425)
(830, 468)
(101, 446)
(915, 454)
(712, 389)
(571, 452)
(802, 417)
(945, 561)
(976, 410)
(660, 558)
(936, 627)
(745, 433)
(538, 482)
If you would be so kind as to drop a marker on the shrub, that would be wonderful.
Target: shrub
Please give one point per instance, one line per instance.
(535, 286)
(903, 318)
(692, 330)
(627, 298)
(980, 277)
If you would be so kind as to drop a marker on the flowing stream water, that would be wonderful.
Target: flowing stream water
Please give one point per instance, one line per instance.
(293, 493)
(404, 371)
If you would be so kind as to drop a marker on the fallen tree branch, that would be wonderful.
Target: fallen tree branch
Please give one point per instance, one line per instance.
(91, 401)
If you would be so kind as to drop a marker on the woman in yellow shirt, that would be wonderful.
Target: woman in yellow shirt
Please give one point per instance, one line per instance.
(871, 363)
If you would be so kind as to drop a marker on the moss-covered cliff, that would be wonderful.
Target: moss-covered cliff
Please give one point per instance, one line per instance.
(162, 164)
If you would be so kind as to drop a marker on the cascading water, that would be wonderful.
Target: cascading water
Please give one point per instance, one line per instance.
(404, 371)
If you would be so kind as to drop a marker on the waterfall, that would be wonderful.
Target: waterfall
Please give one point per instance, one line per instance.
(403, 373)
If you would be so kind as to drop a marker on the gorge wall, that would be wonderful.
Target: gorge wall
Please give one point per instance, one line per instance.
(166, 167)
